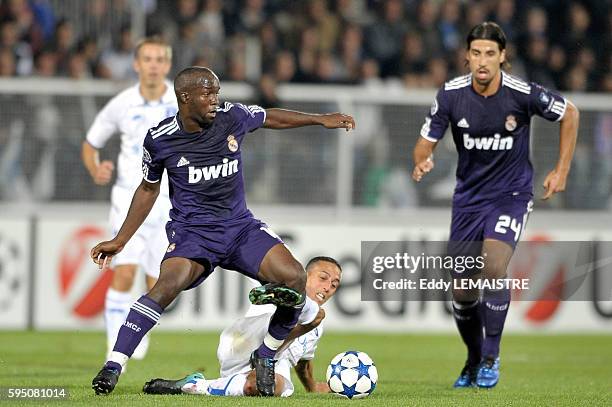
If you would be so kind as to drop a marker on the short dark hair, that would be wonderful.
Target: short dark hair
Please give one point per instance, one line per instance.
(323, 258)
(487, 31)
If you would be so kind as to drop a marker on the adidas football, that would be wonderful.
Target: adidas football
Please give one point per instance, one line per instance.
(352, 374)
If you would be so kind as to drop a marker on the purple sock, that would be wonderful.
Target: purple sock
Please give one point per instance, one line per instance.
(494, 308)
(143, 316)
(469, 323)
(282, 322)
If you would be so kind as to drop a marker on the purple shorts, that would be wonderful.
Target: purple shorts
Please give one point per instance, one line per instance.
(504, 220)
(239, 246)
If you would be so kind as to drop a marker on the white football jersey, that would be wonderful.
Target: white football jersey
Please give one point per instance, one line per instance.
(131, 116)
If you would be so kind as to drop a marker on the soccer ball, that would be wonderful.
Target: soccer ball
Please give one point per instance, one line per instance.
(352, 374)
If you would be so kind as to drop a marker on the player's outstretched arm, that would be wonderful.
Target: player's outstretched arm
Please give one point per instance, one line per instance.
(101, 172)
(300, 330)
(423, 158)
(287, 119)
(568, 132)
(142, 202)
(303, 369)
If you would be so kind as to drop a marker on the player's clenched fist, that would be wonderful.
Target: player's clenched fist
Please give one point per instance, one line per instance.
(103, 253)
(103, 173)
(422, 168)
(338, 121)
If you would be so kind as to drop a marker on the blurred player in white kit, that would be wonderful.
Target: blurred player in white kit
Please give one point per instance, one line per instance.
(238, 341)
(130, 114)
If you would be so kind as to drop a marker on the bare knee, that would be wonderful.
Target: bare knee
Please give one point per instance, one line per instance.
(123, 277)
(496, 268)
(168, 287)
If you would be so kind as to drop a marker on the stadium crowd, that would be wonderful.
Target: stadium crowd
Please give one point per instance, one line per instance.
(562, 44)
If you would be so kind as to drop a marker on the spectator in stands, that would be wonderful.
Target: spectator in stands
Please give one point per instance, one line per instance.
(45, 18)
(504, 16)
(211, 25)
(413, 61)
(270, 44)
(118, 60)
(7, 63)
(384, 37)
(22, 50)
(325, 24)
(351, 52)
(185, 47)
(63, 43)
(284, 67)
(449, 25)
(556, 64)
(186, 11)
(307, 55)
(537, 60)
(77, 66)
(346, 31)
(437, 73)
(251, 16)
(427, 15)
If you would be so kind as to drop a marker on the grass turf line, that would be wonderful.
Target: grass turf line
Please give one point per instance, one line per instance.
(414, 369)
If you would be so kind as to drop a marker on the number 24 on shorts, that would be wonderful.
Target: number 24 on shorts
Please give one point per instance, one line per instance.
(504, 222)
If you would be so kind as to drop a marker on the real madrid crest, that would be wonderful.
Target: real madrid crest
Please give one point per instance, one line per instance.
(232, 143)
(510, 122)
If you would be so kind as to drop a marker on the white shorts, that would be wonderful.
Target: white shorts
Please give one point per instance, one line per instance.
(238, 342)
(148, 245)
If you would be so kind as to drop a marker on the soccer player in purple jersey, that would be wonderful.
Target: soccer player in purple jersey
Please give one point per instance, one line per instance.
(210, 224)
(489, 112)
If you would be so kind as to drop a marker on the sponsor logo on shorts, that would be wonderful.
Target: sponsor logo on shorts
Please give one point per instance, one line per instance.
(171, 247)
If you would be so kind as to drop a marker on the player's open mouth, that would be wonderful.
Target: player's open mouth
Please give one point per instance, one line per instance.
(321, 296)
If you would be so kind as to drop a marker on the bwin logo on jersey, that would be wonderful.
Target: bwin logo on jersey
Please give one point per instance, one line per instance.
(487, 143)
(213, 172)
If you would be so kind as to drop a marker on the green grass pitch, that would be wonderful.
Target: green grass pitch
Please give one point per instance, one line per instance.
(415, 370)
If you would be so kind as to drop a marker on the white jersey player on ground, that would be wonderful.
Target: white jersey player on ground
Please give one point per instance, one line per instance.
(130, 114)
(238, 341)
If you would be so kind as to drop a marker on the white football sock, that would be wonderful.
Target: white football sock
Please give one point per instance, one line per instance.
(141, 350)
(223, 386)
(116, 308)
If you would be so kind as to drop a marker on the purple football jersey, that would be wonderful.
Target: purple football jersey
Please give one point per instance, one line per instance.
(491, 135)
(204, 168)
